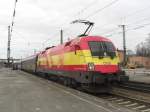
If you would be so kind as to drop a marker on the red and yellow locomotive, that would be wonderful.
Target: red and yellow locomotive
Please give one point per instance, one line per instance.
(87, 61)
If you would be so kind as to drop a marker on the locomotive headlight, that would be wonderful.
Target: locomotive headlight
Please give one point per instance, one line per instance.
(91, 66)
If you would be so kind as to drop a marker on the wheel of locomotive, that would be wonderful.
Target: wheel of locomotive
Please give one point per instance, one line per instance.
(65, 81)
(46, 75)
(74, 84)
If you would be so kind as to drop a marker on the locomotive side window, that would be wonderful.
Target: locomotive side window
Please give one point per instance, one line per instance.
(110, 49)
(109, 46)
(95, 47)
(102, 48)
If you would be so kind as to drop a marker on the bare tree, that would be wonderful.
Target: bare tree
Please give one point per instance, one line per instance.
(143, 48)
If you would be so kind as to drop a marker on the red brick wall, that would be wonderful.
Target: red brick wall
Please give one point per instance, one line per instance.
(139, 60)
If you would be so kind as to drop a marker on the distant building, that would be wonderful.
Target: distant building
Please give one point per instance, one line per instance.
(132, 59)
(121, 54)
(139, 61)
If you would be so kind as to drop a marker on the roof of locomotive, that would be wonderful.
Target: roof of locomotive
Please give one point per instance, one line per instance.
(83, 39)
(94, 38)
(77, 41)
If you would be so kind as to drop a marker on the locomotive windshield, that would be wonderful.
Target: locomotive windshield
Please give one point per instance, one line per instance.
(102, 49)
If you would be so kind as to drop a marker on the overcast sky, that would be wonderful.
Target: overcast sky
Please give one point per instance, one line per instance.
(38, 22)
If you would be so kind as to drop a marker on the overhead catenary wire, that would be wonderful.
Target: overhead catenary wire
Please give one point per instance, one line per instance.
(137, 11)
(97, 11)
(143, 19)
(129, 29)
(101, 9)
(131, 14)
(128, 25)
(78, 14)
(47, 40)
(85, 8)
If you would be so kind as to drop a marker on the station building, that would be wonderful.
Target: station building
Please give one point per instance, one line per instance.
(132, 59)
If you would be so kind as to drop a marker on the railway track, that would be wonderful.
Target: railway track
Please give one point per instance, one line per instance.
(138, 101)
(126, 102)
(135, 96)
(143, 87)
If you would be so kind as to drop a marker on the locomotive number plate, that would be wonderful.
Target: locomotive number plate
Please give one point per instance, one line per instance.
(107, 63)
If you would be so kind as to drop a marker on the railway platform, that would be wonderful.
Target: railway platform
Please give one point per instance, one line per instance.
(23, 92)
(139, 75)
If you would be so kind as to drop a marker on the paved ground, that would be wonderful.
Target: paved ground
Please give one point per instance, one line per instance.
(23, 92)
(139, 75)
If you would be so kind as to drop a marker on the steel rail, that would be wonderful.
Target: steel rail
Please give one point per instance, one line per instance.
(143, 87)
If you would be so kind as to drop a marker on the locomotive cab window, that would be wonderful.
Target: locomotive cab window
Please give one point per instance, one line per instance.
(95, 48)
(102, 49)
